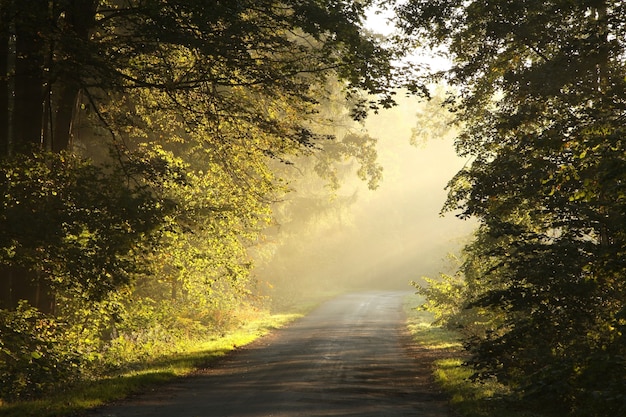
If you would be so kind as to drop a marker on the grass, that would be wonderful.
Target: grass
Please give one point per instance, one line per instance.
(425, 334)
(91, 394)
(469, 399)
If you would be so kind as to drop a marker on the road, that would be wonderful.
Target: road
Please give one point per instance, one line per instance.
(349, 357)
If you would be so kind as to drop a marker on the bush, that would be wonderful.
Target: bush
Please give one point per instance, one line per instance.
(445, 298)
(32, 359)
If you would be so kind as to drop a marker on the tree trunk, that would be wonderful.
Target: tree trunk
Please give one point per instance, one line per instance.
(21, 106)
(63, 122)
(38, 100)
(4, 80)
(79, 20)
(29, 76)
(18, 284)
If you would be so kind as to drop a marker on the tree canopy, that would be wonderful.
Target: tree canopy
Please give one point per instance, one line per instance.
(177, 87)
(541, 100)
(138, 143)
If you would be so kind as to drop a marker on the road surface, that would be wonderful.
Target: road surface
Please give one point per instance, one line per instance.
(349, 357)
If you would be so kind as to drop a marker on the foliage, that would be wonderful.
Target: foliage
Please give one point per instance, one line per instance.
(425, 332)
(77, 228)
(75, 225)
(151, 371)
(444, 297)
(140, 142)
(468, 398)
(31, 358)
(541, 101)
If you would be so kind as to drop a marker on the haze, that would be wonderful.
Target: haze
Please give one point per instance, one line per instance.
(379, 239)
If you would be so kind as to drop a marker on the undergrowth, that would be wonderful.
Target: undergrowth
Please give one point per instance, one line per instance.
(134, 376)
(467, 398)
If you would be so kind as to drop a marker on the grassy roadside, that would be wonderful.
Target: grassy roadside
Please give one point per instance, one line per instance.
(90, 394)
(467, 398)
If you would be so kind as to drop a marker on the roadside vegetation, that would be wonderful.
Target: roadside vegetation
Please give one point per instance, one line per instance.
(468, 397)
(140, 369)
(539, 298)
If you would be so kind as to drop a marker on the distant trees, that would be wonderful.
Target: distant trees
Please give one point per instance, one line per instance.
(541, 98)
(298, 254)
(135, 140)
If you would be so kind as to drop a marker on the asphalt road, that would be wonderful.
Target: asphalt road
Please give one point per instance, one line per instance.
(349, 357)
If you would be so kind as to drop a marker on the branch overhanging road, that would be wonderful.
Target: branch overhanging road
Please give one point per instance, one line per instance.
(347, 358)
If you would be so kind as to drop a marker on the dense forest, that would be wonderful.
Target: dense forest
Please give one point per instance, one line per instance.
(538, 91)
(143, 144)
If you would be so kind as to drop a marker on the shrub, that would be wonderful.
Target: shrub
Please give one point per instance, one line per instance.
(32, 359)
(445, 298)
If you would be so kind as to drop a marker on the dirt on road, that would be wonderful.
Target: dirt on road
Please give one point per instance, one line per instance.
(349, 357)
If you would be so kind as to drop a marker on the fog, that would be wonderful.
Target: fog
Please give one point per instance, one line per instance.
(358, 238)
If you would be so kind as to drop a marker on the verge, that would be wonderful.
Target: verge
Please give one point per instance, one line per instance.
(442, 350)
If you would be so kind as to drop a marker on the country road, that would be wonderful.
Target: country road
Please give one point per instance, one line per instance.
(347, 358)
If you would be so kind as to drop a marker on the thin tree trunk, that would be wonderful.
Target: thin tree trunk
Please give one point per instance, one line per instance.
(79, 20)
(4, 80)
(64, 120)
(29, 80)
(21, 99)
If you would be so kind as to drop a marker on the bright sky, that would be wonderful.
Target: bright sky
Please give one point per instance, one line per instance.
(379, 22)
(382, 23)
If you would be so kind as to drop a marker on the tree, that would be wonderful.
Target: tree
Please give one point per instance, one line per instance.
(136, 138)
(53, 52)
(226, 82)
(541, 98)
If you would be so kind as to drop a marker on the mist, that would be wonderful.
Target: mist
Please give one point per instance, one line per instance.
(357, 238)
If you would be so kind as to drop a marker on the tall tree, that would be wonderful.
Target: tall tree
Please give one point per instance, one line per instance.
(226, 81)
(180, 106)
(541, 95)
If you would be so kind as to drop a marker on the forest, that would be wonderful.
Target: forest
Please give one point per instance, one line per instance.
(540, 294)
(144, 145)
